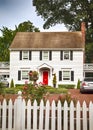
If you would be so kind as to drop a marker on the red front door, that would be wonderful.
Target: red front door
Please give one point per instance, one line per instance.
(45, 77)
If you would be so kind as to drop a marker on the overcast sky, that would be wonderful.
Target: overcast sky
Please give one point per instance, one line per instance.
(14, 12)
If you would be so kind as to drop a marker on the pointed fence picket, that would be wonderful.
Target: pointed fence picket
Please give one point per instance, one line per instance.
(24, 115)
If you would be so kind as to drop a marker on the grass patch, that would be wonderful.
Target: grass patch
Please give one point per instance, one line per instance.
(52, 90)
(66, 86)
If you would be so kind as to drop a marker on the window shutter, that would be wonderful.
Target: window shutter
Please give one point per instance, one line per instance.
(30, 55)
(20, 55)
(19, 75)
(60, 75)
(72, 75)
(50, 55)
(61, 55)
(40, 55)
(71, 55)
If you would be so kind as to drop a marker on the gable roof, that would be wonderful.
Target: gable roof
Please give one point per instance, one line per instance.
(47, 40)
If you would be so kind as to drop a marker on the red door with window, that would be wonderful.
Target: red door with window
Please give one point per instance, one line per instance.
(45, 77)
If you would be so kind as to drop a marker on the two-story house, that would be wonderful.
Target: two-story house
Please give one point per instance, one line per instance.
(61, 53)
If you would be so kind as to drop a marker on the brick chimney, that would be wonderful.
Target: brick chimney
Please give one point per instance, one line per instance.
(83, 31)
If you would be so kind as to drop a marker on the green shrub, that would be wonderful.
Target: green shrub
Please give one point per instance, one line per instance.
(2, 89)
(12, 84)
(66, 86)
(19, 85)
(10, 90)
(18, 88)
(78, 84)
(56, 90)
(33, 93)
(54, 80)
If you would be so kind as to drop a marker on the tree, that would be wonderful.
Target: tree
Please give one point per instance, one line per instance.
(26, 26)
(5, 41)
(54, 80)
(33, 76)
(69, 12)
(89, 52)
(8, 35)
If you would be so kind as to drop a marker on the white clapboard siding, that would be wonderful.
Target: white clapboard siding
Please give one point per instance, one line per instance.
(24, 115)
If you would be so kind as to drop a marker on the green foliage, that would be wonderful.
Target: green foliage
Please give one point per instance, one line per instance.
(54, 80)
(89, 52)
(33, 76)
(12, 84)
(5, 42)
(52, 90)
(8, 36)
(69, 12)
(10, 91)
(26, 26)
(78, 84)
(33, 93)
(13, 90)
(1, 89)
(66, 86)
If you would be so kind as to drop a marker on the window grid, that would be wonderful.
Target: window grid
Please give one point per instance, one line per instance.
(25, 75)
(45, 55)
(66, 75)
(66, 55)
(25, 55)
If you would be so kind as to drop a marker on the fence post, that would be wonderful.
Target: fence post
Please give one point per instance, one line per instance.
(18, 114)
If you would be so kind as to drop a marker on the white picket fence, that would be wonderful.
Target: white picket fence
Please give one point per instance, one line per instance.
(22, 115)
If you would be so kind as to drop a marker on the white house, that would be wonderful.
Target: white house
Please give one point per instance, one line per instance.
(61, 53)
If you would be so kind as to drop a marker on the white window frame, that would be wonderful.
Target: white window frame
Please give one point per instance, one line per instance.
(65, 76)
(45, 55)
(25, 55)
(66, 55)
(24, 74)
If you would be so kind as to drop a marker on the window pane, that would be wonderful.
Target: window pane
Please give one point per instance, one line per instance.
(66, 54)
(25, 74)
(66, 75)
(45, 55)
(25, 55)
